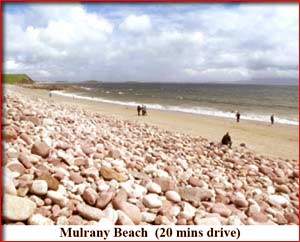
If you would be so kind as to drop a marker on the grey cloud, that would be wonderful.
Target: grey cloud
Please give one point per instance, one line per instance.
(180, 43)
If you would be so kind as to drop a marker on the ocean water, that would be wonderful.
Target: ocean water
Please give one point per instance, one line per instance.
(254, 102)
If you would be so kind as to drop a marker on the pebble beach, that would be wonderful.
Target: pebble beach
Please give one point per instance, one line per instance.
(65, 165)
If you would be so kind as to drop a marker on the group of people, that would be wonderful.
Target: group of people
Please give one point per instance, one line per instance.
(238, 117)
(141, 110)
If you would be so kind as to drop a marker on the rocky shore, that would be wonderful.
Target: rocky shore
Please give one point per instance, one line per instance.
(67, 166)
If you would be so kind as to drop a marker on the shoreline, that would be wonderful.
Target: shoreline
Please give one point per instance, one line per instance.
(191, 110)
(258, 136)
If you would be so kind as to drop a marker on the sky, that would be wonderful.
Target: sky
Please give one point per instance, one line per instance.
(166, 42)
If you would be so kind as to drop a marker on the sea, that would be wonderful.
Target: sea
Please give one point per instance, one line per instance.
(254, 102)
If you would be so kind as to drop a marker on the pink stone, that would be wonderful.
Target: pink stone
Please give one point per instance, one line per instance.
(90, 196)
(114, 153)
(181, 221)
(166, 206)
(166, 184)
(104, 199)
(222, 199)
(221, 209)
(132, 211)
(16, 167)
(81, 162)
(123, 219)
(43, 211)
(55, 210)
(240, 202)
(260, 217)
(75, 220)
(280, 219)
(121, 196)
(26, 138)
(76, 177)
(10, 134)
(52, 182)
(23, 158)
(87, 149)
(91, 172)
(195, 182)
(292, 218)
(265, 170)
(41, 149)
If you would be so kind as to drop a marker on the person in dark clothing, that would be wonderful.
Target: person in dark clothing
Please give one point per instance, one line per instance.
(272, 119)
(226, 140)
(139, 108)
(238, 115)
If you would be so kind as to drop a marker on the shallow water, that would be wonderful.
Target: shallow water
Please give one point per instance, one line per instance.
(254, 102)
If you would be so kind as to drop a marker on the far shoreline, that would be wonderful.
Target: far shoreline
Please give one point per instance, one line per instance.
(280, 140)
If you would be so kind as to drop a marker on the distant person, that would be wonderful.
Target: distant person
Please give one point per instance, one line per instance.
(139, 109)
(238, 116)
(272, 119)
(144, 110)
(226, 140)
(50, 94)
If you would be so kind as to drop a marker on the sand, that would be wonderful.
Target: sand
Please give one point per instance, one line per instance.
(277, 140)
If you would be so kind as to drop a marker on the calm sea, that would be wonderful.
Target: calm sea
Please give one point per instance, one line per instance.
(254, 102)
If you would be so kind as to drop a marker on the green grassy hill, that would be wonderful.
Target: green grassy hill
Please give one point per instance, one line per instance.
(16, 79)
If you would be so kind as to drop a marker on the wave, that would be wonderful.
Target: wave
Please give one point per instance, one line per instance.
(193, 110)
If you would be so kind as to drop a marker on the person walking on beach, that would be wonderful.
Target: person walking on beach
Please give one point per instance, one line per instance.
(50, 94)
(144, 110)
(272, 119)
(226, 140)
(139, 108)
(238, 115)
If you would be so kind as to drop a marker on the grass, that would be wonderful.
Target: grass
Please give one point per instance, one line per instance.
(16, 79)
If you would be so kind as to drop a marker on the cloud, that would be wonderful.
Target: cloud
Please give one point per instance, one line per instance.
(152, 42)
(134, 23)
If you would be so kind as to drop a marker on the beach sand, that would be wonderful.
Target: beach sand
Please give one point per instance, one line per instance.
(277, 140)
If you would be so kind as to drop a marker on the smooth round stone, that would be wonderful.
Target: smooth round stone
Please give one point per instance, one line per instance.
(188, 211)
(173, 196)
(282, 188)
(62, 220)
(152, 201)
(278, 200)
(41, 149)
(104, 198)
(153, 187)
(39, 187)
(174, 211)
(139, 191)
(90, 196)
(221, 209)
(75, 220)
(207, 221)
(148, 217)
(234, 220)
(89, 213)
(38, 219)
(110, 214)
(123, 219)
(17, 208)
(253, 209)
(58, 198)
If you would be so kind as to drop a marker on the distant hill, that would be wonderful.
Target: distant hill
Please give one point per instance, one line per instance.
(16, 79)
